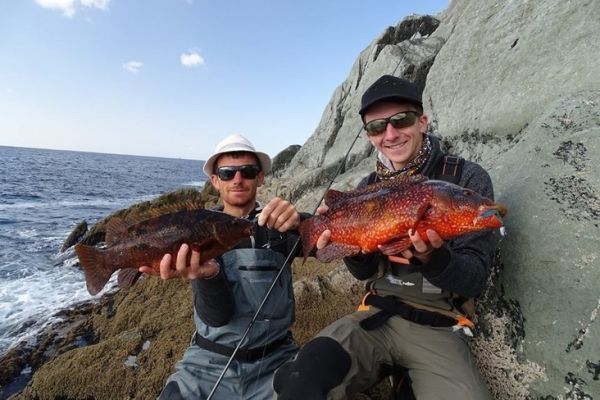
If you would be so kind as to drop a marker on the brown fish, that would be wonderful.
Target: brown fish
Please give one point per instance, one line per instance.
(132, 243)
(382, 213)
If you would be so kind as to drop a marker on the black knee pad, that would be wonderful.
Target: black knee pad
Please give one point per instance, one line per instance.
(170, 392)
(319, 366)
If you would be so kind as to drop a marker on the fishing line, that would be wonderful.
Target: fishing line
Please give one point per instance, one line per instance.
(295, 245)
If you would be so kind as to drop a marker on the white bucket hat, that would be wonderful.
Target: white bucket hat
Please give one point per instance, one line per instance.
(235, 143)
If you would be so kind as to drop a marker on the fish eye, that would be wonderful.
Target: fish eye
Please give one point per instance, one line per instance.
(467, 192)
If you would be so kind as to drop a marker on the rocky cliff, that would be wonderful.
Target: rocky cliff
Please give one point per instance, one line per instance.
(514, 86)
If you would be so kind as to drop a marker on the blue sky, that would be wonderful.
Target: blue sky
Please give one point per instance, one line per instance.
(171, 78)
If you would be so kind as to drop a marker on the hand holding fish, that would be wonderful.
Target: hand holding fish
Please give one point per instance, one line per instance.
(182, 268)
(421, 250)
(326, 235)
(279, 214)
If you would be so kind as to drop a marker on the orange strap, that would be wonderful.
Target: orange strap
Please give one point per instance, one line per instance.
(464, 321)
(362, 306)
(461, 320)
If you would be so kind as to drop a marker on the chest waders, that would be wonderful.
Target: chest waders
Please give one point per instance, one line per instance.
(422, 302)
(249, 272)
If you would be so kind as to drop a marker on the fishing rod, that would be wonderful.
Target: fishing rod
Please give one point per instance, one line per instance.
(295, 246)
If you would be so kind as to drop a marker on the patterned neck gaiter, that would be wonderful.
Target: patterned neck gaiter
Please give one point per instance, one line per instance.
(414, 166)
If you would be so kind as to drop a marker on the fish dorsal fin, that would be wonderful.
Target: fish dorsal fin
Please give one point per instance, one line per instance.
(118, 226)
(399, 182)
(136, 217)
(187, 205)
(332, 197)
(116, 229)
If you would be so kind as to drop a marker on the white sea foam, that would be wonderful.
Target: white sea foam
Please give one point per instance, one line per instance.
(194, 183)
(103, 202)
(27, 233)
(35, 298)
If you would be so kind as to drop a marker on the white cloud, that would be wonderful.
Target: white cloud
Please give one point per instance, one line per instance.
(101, 4)
(133, 66)
(192, 59)
(68, 6)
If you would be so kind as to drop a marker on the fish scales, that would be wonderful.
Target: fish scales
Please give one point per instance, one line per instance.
(382, 214)
(130, 245)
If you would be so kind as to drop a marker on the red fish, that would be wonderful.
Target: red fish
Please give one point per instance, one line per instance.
(382, 214)
(132, 243)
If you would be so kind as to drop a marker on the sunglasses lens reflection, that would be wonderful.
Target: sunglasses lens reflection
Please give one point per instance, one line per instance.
(247, 171)
(400, 120)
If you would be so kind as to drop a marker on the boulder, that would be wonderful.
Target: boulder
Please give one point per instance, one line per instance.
(75, 236)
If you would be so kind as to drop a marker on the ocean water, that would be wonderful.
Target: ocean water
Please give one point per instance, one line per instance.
(44, 194)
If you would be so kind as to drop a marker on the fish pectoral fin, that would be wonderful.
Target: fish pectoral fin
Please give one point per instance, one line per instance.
(336, 250)
(126, 277)
(395, 246)
(420, 216)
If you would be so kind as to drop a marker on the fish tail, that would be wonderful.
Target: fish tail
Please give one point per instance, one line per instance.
(96, 271)
(310, 230)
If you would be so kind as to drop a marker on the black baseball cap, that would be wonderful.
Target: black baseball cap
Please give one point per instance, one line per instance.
(390, 88)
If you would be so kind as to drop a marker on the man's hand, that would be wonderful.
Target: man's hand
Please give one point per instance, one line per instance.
(194, 270)
(279, 214)
(326, 235)
(420, 249)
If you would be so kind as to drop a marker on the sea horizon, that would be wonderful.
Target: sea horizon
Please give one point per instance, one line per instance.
(98, 152)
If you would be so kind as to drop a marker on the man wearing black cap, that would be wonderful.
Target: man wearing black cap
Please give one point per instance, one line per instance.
(415, 316)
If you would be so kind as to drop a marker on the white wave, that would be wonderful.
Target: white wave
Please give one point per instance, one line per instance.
(27, 233)
(194, 183)
(62, 203)
(37, 297)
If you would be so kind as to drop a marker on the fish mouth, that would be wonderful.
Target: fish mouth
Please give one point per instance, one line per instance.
(496, 210)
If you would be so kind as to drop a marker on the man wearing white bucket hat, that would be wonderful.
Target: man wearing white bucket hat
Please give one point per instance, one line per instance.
(229, 289)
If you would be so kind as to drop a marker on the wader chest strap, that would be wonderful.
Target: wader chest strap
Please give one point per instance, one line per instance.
(391, 306)
(242, 355)
(449, 169)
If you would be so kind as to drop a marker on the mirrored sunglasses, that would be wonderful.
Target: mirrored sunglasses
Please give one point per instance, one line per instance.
(402, 119)
(228, 173)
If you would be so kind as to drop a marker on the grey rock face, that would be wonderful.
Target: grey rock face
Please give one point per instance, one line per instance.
(282, 160)
(515, 86)
(321, 157)
(505, 62)
(550, 181)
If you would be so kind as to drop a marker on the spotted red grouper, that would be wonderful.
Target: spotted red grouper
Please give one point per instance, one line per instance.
(131, 244)
(383, 213)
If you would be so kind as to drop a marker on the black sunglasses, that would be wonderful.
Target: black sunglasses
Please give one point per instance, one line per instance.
(247, 171)
(402, 119)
